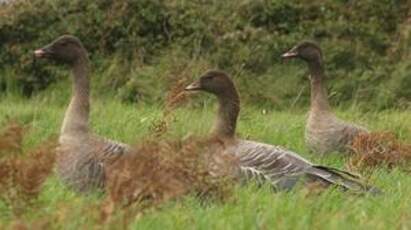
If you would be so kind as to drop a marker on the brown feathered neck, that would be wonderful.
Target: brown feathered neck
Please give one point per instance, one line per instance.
(319, 97)
(77, 114)
(228, 109)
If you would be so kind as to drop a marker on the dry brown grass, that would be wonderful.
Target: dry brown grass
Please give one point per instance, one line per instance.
(19, 224)
(176, 96)
(11, 138)
(163, 170)
(22, 175)
(377, 149)
(181, 73)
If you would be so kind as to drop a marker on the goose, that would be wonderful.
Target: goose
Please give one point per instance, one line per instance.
(324, 132)
(81, 156)
(259, 161)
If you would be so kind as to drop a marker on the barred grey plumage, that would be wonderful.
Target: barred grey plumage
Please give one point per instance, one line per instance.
(81, 156)
(284, 169)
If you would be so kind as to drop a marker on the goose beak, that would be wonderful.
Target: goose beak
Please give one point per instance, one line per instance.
(42, 53)
(289, 54)
(193, 86)
(39, 53)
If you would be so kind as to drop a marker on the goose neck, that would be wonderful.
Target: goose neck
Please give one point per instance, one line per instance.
(77, 114)
(228, 110)
(319, 98)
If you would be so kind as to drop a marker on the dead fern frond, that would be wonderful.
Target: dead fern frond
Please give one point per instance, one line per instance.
(164, 170)
(376, 149)
(11, 138)
(22, 176)
(177, 96)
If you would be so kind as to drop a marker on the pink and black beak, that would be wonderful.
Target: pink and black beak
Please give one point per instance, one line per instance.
(43, 52)
(292, 53)
(195, 86)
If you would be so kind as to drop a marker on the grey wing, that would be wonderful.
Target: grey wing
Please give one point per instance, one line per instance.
(111, 150)
(262, 162)
(283, 168)
(105, 152)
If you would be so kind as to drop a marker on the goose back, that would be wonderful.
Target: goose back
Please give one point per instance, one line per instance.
(325, 133)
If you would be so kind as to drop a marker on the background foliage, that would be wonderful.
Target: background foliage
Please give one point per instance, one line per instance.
(140, 47)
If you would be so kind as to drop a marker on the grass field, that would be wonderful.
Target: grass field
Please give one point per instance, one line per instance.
(250, 207)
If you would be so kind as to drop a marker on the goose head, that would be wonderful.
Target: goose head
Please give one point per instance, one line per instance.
(65, 49)
(307, 51)
(213, 81)
(219, 84)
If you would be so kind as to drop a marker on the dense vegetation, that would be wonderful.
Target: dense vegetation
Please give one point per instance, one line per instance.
(139, 47)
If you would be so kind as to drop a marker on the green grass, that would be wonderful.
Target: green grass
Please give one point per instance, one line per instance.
(250, 207)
